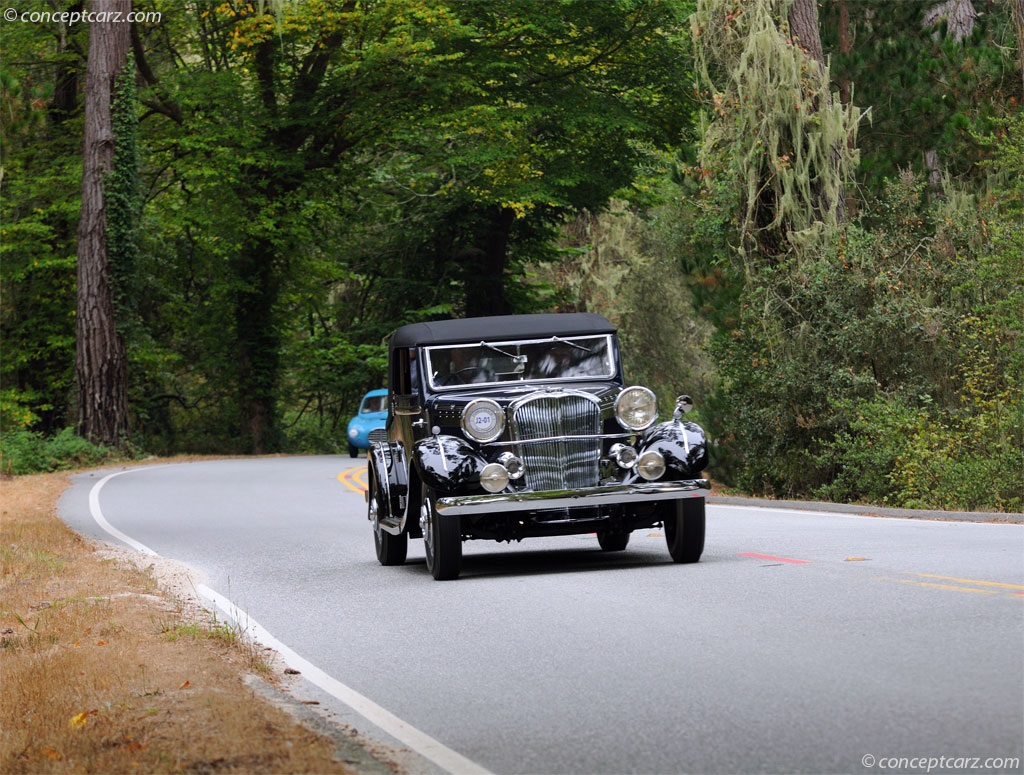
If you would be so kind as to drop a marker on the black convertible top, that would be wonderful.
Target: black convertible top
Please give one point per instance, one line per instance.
(500, 327)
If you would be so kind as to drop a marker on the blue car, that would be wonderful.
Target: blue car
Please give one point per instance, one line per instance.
(368, 426)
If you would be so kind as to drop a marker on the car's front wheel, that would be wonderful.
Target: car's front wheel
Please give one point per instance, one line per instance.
(391, 549)
(684, 529)
(442, 540)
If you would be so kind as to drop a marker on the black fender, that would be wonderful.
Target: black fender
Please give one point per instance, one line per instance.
(447, 463)
(388, 469)
(682, 444)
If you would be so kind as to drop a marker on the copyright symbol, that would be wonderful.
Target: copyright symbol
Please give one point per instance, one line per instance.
(11, 14)
(868, 760)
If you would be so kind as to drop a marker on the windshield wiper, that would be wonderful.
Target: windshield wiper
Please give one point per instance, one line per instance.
(498, 350)
(571, 344)
(518, 361)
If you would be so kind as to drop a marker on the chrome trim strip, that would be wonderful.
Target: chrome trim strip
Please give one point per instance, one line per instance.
(553, 393)
(567, 437)
(638, 492)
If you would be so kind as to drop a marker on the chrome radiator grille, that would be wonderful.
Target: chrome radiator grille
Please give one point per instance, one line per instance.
(559, 463)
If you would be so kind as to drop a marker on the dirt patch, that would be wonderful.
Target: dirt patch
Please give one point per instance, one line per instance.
(111, 662)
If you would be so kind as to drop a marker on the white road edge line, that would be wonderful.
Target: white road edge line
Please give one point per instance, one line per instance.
(97, 515)
(420, 742)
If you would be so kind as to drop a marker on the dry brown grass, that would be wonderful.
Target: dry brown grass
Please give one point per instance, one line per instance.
(102, 672)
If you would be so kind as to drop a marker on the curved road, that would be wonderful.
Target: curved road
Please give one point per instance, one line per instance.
(802, 642)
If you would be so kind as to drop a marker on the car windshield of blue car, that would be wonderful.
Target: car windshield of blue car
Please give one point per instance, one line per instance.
(372, 404)
(555, 358)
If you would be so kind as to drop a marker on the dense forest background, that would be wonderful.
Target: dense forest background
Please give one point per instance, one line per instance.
(809, 216)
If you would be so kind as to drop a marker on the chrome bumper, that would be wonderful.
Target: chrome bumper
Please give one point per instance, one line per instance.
(613, 494)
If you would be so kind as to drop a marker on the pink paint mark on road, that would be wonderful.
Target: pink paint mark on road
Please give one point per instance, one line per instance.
(774, 559)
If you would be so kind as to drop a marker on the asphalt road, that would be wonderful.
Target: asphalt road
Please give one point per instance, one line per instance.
(802, 642)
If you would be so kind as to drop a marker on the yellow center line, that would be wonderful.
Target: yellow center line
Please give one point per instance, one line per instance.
(354, 479)
(976, 582)
(954, 584)
(948, 587)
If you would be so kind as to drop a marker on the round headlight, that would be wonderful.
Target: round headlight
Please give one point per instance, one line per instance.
(483, 420)
(636, 408)
(494, 477)
(651, 465)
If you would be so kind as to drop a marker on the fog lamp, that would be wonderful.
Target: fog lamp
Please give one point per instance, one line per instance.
(513, 465)
(623, 455)
(651, 465)
(494, 477)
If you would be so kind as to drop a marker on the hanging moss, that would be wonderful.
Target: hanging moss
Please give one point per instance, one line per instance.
(773, 133)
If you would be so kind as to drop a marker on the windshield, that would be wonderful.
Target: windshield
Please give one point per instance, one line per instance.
(556, 358)
(372, 404)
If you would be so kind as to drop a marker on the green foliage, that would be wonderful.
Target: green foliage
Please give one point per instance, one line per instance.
(926, 83)
(28, 452)
(40, 185)
(876, 360)
(330, 376)
(307, 176)
(913, 454)
(875, 370)
(613, 268)
(338, 171)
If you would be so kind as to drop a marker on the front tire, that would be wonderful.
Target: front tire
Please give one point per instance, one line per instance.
(684, 529)
(391, 549)
(442, 540)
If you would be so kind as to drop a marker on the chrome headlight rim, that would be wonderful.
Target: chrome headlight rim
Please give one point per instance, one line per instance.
(483, 420)
(640, 402)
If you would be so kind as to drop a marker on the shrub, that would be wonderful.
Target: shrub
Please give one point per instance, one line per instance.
(27, 452)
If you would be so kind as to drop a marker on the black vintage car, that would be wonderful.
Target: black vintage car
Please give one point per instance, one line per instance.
(503, 428)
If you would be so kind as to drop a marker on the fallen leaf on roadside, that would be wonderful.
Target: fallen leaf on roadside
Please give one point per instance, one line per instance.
(185, 685)
(856, 559)
(49, 753)
(77, 722)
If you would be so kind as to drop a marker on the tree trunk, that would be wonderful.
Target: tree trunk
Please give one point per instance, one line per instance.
(485, 277)
(100, 360)
(960, 17)
(257, 344)
(806, 32)
(65, 88)
(849, 203)
(1018, 25)
(803, 27)
(845, 48)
